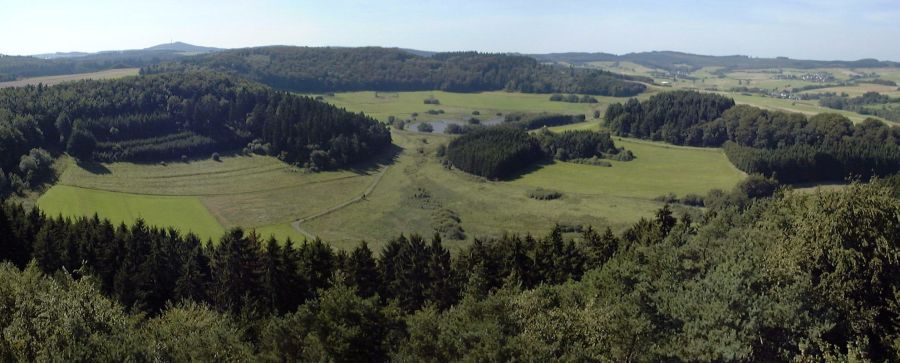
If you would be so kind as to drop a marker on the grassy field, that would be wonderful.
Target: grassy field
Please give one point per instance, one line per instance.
(250, 192)
(53, 80)
(264, 194)
(187, 214)
(459, 106)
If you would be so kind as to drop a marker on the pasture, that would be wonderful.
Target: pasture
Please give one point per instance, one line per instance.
(459, 106)
(406, 190)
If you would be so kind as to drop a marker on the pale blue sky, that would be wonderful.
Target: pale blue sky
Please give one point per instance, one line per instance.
(816, 29)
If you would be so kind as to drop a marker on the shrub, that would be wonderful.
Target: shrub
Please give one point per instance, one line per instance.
(474, 121)
(425, 127)
(595, 161)
(476, 113)
(692, 200)
(670, 198)
(544, 194)
(432, 101)
(216, 157)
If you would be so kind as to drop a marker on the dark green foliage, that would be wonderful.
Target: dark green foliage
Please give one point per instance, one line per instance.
(303, 69)
(544, 194)
(494, 152)
(576, 144)
(424, 127)
(536, 121)
(81, 144)
(786, 146)
(796, 277)
(165, 116)
(668, 116)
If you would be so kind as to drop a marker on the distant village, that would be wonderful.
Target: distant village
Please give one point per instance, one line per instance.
(818, 77)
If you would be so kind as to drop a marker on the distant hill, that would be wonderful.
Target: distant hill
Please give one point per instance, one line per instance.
(677, 60)
(52, 64)
(182, 47)
(312, 69)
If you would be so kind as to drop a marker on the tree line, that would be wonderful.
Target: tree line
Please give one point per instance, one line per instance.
(792, 277)
(788, 146)
(306, 69)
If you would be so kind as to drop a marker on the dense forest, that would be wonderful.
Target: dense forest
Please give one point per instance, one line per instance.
(793, 277)
(788, 146)
(870, 103)
(304, 69)
(499, 152)
(167, 116)
(16, 67)
(493, 152)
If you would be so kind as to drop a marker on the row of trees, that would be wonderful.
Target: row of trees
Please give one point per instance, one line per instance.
(789, 146)
(533, 121)
(304, 69)
(796, 277)
(168, 115)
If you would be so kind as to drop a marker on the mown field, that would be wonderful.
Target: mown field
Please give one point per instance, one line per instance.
(414, 194)
(459, 106)
(52, 80)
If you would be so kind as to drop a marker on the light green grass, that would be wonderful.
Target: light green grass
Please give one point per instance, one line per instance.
(459, 106)
(186, 214)
(658, 169)
(596, 196)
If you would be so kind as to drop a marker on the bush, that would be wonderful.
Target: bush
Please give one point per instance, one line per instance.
(624, 155)
(215, 157)
(595, 161)
(474, 121)
(669, 198)
(432, 101)
(454, 129)
(544, 194)
(425, 127)
(476, 113)
(692, 200)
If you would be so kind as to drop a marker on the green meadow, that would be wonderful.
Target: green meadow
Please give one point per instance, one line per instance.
(267, 195)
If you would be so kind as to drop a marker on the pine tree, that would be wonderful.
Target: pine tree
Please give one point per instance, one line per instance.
(441, 290)
(237, 270)
(362, 271)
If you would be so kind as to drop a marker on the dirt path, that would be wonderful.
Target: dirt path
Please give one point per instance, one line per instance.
(365, 194)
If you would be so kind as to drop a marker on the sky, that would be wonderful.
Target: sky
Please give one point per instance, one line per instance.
(805, 29)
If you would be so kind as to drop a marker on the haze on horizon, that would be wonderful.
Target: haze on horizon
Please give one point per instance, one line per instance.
(803, 29)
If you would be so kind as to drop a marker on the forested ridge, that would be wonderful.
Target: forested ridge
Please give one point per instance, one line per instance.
(191, 114)
(795, 277)
(306, 69)
(788, 146)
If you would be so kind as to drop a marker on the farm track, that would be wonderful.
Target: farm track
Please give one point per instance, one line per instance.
(367, 192)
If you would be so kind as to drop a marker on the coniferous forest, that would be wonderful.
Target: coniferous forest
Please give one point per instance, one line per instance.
(168, 116)
(788, 146)
(791, 277)
(306, 69)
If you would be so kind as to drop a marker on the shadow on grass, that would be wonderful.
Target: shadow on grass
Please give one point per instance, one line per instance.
(388, 156)
(535, 166)
(93, 167)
